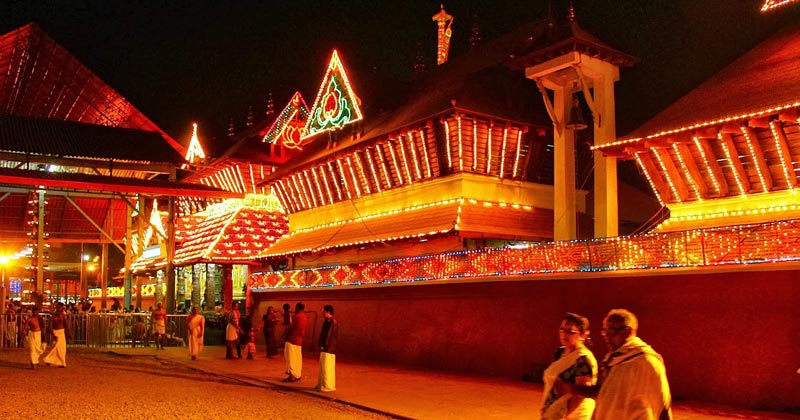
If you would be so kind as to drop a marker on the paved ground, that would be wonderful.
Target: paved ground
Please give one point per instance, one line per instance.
(112, 387)
(414, 394)
(368, 390)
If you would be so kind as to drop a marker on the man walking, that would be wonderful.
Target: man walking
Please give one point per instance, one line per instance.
(58, 355)
(327, 351)
(196, 324)
(633, 377)
(34, 332)
(293, 349)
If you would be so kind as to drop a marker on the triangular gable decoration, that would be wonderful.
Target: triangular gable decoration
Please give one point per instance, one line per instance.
(336, 104)
(773, 4)
(194, 153)
(290, 127)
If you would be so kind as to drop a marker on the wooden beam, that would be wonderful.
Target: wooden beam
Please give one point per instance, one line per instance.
(693, 174)
(730, 128)
(657, 142)
(707, 132)
(761, 122)
(757, 155)
(673, 177)
(782, 146)
(718, 181)
(789, 115)
(654, 176)
(732, 155)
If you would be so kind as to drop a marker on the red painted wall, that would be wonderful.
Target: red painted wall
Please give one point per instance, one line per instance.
(732, 337)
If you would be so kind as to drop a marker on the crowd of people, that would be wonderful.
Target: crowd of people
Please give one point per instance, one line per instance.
(629, 382)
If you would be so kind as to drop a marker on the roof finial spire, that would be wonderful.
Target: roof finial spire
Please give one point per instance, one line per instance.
(445, 23)
(571, 12)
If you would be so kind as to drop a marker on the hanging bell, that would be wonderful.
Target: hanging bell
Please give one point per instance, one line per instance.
(575, 121)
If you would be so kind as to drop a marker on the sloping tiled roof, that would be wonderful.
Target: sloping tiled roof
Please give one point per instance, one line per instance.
(40, 78)
(235, 235)
(468, 218)
(765, 77)
(414, 223)
(68, 139)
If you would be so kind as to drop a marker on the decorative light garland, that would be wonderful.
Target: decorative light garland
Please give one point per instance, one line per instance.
(765, 243)
(649, 178)
(372, 170)
(343, 179)
(395, 167)
(447, 142)
(474, 144)
(334, 179)
(685, 168)
(489, 147)
(783, 154)
(336, 105)
(413, 148)
(519, 150)
(353, 176)
(362, 173)
(425, 152)
(755, 151)
(460, 146)
(404, 159)
(711, 174)
(382, 158)
(503, 153)
(672, 186)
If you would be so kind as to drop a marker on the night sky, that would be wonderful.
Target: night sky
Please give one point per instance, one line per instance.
(206, 61)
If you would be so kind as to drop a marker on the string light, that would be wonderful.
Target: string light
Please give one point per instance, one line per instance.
(335, 105)
(489, 147)
(324, 174)
(707, 164)
(304, 177)
(382, 158)
(372, 170)
(729, 156)
(460, 146)
(447, 142)
(695, 126)
(755, 154)
(404, 159)
(503, 153)
(425, 152)
(783, 154)
(666, 173)
(395, 167)
(319, 187)
(353, 176)
(765, 243)
(649, 178)
(343, 178)
(362, 173)
(688, 174)
(519, 150)
(335, 180)
(474, 144)
(414, 154)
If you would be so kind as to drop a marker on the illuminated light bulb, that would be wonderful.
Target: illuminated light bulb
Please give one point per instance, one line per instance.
(353, 176)
(753, 155)
(334, 180)
(361, 172)
(372, 169)
(489, 147)
(395, 167)
(403, 157)
(325, 181)
(649, 178)
(447, 142)
(503, 153)
(413, 149)
(516, 157)
(425, 153)
(729, 156)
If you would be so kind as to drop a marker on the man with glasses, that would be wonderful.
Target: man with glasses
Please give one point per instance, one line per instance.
(633, 381)
(633, 378)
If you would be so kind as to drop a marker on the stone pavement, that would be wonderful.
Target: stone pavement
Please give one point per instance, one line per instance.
(408, 393)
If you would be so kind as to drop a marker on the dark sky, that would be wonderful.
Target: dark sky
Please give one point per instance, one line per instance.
(205, 61)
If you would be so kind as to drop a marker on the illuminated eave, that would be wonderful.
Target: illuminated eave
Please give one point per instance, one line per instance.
(695, 126)
(774, 4)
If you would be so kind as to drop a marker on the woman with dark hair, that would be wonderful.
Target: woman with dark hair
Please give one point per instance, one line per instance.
(270, 321)
(575, 364)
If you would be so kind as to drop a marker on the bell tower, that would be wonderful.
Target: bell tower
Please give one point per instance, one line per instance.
(564, 61)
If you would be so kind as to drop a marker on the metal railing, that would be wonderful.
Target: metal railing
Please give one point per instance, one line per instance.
(103, 330)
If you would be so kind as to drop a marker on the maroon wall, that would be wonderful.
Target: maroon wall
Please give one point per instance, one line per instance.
(726, 337)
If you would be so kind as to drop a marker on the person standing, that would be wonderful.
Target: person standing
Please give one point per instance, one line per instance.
(11, 325)
(287, 319)
(34, 332)
(158, 319)
(270, 321)
(196, 324)
(327, 351)
(293, 349)
(232, 332)
(58, 323)
(573, 363)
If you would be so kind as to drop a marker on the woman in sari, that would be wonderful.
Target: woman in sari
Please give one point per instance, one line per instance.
(196, 324)
(575, 364)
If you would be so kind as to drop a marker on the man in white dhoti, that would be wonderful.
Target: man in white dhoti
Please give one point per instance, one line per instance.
(158, 319)
(327, 351)
(34, 328)
(58, 323)
(196, 324)
(633, 377)
(293, 350)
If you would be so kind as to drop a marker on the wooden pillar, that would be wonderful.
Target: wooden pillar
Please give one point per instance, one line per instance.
(564, 209)
(103, 274)
(606, 212)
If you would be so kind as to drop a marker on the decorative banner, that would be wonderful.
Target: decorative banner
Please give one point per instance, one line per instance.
(289, 128)
(119, 291)
(336, 105)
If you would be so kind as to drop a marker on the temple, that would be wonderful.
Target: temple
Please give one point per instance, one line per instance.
(454, 230)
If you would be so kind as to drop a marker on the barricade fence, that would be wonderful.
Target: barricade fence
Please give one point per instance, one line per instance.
(102, 330)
